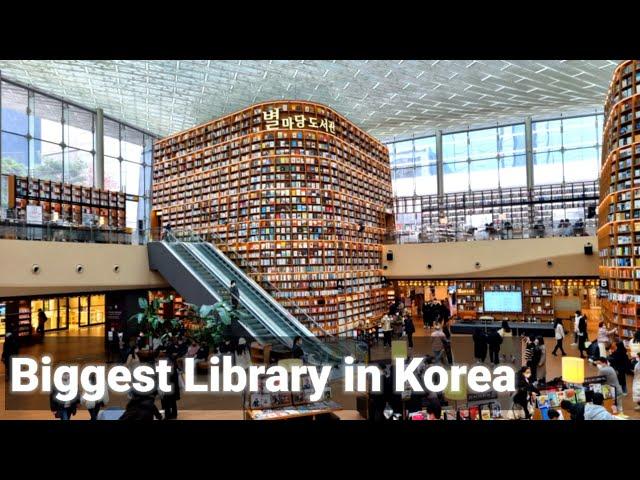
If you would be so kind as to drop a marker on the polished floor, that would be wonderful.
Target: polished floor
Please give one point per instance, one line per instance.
(85, 346)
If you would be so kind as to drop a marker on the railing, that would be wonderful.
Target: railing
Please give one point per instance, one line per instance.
(451, 233)
(56, 232)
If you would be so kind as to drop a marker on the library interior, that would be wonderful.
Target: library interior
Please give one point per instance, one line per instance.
(290, 212)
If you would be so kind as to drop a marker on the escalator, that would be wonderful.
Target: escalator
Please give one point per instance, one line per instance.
(201, 273)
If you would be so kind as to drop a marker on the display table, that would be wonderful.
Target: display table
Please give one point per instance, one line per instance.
(288, 413)
(518, 328)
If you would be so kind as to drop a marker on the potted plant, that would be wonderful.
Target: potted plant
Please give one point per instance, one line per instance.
(152, 324)
(209, 324)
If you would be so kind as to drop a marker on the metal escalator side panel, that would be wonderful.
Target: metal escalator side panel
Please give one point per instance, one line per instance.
(253, 308)
(183, 278)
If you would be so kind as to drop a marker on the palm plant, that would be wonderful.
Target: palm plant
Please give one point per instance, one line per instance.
(151, 322)
(209, 322)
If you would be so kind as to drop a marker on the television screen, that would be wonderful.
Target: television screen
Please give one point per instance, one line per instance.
(503, 302)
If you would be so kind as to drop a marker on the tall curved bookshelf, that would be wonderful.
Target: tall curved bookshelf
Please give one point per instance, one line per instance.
(619, 210)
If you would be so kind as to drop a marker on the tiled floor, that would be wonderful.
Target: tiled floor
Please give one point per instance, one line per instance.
(86, 345)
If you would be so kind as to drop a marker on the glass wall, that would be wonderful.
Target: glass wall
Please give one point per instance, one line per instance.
(44, 137)
(564, 150)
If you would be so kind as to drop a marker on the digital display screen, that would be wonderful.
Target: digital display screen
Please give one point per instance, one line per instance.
(503, 302)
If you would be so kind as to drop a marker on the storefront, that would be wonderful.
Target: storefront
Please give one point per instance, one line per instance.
(63, 312)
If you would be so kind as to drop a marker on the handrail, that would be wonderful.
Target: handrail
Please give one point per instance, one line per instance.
(245, 265)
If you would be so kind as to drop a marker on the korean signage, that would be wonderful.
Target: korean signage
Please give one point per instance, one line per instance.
(273, 121)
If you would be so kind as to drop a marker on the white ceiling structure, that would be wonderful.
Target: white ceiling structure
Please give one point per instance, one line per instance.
(387, 98)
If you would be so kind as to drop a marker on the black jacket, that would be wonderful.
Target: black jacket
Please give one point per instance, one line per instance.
(524, 390)
(141, 408)
(494, 340)
(409, 327)
(296, 351)
(479, 344)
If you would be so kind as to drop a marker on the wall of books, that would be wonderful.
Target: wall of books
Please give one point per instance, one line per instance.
(542, 299)
(619, 212)
(297, 190)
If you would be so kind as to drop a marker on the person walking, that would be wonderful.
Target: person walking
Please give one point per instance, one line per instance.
(169, 400)
(438, 339)
(559, 335)
(386, 330)
(42, 319)
(604, 341)
(94, 406)
(576, 321)
(235, 294)
(582, 335)
(63, 409)
(611, 379)
(409, 329)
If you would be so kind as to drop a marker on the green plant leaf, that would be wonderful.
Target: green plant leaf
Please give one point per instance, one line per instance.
(205, 311)
(143, 303)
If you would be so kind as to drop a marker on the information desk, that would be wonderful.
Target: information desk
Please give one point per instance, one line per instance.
(543, 329)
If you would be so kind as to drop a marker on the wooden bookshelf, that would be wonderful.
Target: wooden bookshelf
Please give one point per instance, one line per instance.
(62, 202)
(297, 190)
(619, 211)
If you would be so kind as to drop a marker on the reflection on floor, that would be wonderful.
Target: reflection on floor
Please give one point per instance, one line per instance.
(86, 346)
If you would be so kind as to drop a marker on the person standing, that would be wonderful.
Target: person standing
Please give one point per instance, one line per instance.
(409, 329)
(526, 392)
(611, 379)
(620, 362)
(386, 330)
(604, 341)
(169, 400)
(576, 321)
(508, 349)
(542, 362)
(438, 339)
(94, 406)
(63, 409)
(296, 351)
(582, 335)
(559, 335)
(10, 349)
(494, 340)
(235, 294)
(425, 314)
(42, 319)
(635, 388)
(480, 345)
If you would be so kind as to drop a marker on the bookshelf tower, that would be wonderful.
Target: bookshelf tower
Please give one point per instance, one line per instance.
(619, 211)
(298, 191)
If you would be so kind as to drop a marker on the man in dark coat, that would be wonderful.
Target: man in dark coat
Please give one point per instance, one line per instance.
(479, 345)
(235, 294)
(494, 340)
(409, 329)
(11, 348)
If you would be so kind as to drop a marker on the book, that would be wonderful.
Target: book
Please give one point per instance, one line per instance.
(581, 396)
(553, 399)
(543, 401)
(485, 412)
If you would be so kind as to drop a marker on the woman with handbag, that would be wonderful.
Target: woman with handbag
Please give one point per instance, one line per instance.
(526, 392)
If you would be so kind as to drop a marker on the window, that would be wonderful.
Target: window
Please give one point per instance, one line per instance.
(111, 138)
(15, 154)
(79, 128)
(454, 147)
(547, 168)
(47, 119)
(483, 143)
(425, 151)
(579, 132)
(483, 174)
(426, 180)
(513, 171)
(132, 178)
(47, 161)
(78, 167)
(403, 155)
(111, 173)
(131, 145)
(403, 181)
(511, 139)
(546, 135)
(15, 103)
(581, 164)
(456, 177)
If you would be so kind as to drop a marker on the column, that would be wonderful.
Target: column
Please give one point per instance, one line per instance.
(439, 165)
(99, 160)
(528, 142)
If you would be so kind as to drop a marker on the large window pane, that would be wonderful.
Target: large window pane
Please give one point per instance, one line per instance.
(547, 168)
(599, 127)
(131, 215)
(132, 178)
(111, 173)
(111, 138)
(511, 139)
(546, 135)
(47, 119)
(483, 143)
(425, 151)
(483, 174)
(579, 132)
(456, 177)
(15, 101)
(581, 164)
(47, 162)
(403, 155)
(78, 167)
(79, 128)
(15, 154)
(132, 144)
(513, 171)
(403, 182)
(426, 180)
(454, 147)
